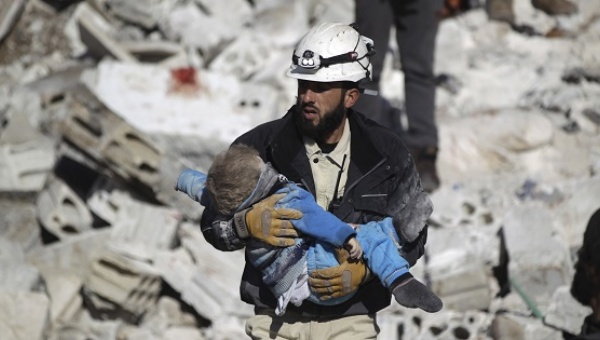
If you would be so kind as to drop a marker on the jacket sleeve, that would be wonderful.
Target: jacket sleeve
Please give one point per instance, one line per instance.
(315, 221)
(219, 230)
(410, 209)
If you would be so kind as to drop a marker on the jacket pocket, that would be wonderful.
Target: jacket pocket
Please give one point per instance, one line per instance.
(372, 202)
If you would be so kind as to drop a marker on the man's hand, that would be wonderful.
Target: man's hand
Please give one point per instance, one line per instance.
(338, 281)
(268, 224)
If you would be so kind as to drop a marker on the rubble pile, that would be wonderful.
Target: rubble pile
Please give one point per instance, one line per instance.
(104, 102)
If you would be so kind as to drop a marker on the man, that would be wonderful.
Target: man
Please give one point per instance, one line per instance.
(416, 25)
(585, 287)
(355, 168)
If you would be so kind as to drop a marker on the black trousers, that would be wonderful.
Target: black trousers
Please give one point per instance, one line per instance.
(416, 23)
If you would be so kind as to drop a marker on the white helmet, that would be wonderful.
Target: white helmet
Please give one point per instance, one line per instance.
(332, 52)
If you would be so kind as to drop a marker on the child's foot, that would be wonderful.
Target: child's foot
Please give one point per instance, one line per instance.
(411, 293)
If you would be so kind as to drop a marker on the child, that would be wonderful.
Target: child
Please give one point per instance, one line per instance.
(239, 178)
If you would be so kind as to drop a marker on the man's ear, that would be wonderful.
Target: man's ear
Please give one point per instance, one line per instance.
(351, 97)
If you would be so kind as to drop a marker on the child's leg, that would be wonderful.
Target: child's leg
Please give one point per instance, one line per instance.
(380, 245)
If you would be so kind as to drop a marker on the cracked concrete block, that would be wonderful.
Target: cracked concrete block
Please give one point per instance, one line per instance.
(25, 167)
(108, 204)
(565, 312)
(72, 256)
(131, 284)
(460, 265)
(146, 13)
(245, 56)
(540, 259)
(512, 327)
(465, 290)
(23, 315)
(125, 150)
(61, 212)
(134, 222)
(203, 276)
(109, 139)
(63, 290)
(97, 34)
(150, 226)
(133, 153)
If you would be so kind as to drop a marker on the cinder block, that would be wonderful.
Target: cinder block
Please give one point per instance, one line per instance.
(25, 167)
(463, 290)
(131, 284)
(61, 212)
(126, 151)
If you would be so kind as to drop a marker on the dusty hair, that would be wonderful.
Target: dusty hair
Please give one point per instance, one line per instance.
(233, 176)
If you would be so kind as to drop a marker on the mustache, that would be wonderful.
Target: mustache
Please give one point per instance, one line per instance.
(308, 105)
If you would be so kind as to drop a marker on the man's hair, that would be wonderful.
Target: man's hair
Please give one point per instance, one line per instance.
(233, 176)
(586, 282)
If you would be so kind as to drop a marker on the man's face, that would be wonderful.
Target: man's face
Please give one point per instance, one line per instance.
(320, 110)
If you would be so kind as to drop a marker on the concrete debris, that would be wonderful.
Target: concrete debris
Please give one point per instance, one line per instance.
(104, 102)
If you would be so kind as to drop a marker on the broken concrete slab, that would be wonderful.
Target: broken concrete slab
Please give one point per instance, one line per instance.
(565, 312)
(24, 315)
(203, 275)
(540, 257)
(72, 256)
(145, 13)
(96, 33)
(63, 291)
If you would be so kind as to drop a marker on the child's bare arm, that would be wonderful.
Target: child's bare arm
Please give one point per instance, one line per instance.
(354, 248)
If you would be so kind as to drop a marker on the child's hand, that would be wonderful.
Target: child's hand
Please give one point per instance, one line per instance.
(354, 248)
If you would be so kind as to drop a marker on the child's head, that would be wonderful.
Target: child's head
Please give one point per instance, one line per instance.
(233, 176)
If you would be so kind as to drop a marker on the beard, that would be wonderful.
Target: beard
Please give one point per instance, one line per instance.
(327, 123)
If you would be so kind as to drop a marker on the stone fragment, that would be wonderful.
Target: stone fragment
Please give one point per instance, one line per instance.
(97, 34)
(145, 13)
(24, 315)
(61, 212)
(565, 312)
(540, 261)
(24, 167)
(65, 300)
(71, 256)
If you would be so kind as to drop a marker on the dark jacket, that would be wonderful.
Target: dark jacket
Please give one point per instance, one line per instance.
(382, 181)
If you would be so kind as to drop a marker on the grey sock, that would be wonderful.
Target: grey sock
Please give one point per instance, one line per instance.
(413, 294)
